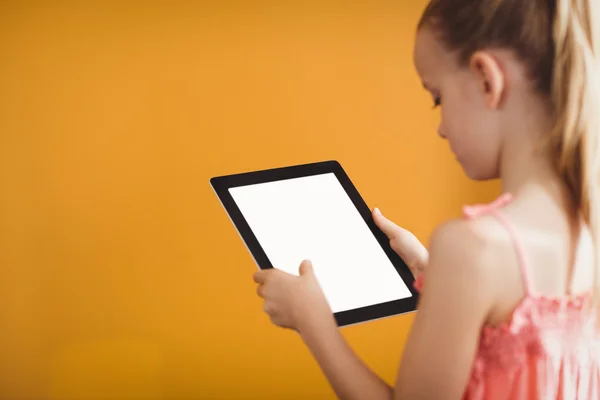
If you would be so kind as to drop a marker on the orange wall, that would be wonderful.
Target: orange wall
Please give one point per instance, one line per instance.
(120, 274)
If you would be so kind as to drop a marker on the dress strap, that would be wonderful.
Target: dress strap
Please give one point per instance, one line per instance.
(493, 209)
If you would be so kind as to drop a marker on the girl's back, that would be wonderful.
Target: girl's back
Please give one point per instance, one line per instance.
(540, 340)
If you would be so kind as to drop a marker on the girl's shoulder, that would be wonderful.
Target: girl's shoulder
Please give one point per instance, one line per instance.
(477, 244)
(477, 249)
(472, 249)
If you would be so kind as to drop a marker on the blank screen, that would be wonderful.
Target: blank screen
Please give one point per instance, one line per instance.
(313, 218)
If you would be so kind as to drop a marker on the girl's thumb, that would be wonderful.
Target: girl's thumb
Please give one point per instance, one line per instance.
(382, 222)
(306, 268)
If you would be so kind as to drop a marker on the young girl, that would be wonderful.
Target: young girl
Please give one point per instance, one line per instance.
(508, 301)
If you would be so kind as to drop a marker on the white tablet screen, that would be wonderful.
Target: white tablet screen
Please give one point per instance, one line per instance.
(313, 218)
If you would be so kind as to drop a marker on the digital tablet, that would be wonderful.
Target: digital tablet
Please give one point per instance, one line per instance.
(313, 211)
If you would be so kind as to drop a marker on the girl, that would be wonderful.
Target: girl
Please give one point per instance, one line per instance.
(508, 297)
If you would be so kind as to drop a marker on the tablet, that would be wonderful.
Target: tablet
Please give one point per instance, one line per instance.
(313, 211)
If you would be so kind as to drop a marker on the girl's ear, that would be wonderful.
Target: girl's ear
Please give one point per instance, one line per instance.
(490, 77)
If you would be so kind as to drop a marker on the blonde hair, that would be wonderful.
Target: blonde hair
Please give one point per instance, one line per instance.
(559, 43)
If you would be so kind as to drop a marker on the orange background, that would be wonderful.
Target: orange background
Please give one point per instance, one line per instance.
(121, 275)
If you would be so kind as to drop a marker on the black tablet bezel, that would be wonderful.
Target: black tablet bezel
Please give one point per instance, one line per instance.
(222, 184)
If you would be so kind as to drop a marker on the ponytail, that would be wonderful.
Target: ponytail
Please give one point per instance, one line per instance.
(575, 93)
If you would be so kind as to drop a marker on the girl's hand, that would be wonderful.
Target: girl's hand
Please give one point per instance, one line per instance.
(403, 242)
(294, 302)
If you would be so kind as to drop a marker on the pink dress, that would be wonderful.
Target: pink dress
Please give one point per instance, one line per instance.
(548, 349)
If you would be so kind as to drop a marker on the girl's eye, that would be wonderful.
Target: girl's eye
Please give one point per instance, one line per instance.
(437, 101)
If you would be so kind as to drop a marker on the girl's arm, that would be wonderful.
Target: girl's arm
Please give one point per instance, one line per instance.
(441, 347)
(349, 377)
(459, 291)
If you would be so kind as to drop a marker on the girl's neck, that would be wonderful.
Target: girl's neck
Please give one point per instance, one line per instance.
(524, 164)
(526, 169)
